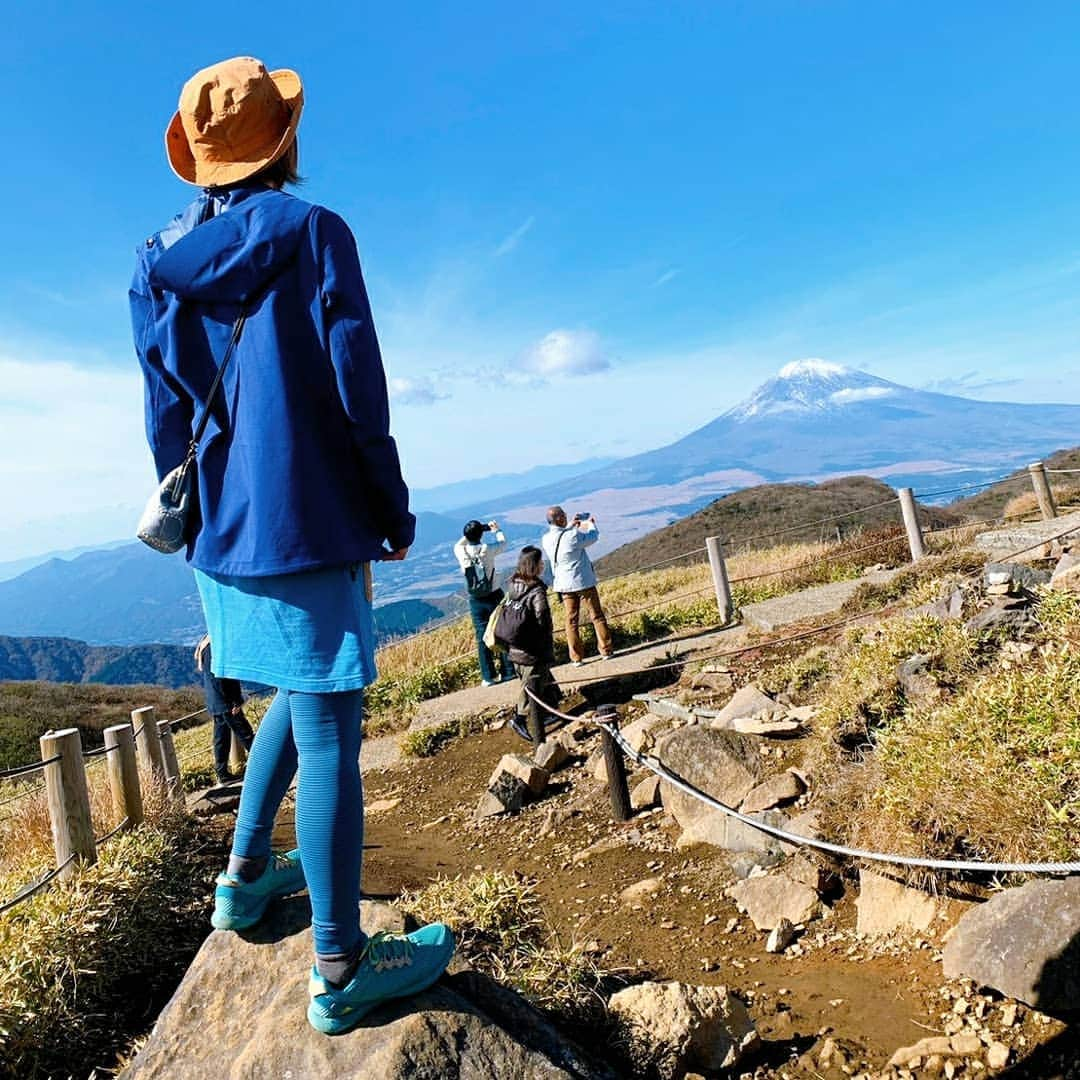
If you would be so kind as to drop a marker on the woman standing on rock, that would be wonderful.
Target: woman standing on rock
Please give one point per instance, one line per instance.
(299, 489)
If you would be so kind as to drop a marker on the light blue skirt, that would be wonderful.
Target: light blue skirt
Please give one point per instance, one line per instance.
(313, 631)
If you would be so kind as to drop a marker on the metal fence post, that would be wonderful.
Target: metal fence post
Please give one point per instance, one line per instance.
(615, 764)
(123, 773)
(68, 799)
(715, 548)
(1047, 506)
(911, 523)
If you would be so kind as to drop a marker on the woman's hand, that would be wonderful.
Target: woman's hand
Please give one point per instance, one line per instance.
(394, 556)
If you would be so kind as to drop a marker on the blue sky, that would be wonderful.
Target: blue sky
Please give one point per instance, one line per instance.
(587, 229)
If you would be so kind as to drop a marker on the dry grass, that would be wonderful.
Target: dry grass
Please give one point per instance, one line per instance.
(72, 956)
(990, 768)
(501, 930)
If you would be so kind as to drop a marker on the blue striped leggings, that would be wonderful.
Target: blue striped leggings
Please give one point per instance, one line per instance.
(319, 735)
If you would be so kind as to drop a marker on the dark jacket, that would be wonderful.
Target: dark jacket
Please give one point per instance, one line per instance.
(221, 694)
(297, 468)
(536, 645)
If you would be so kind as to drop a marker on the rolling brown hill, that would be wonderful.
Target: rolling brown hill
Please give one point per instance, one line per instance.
(991, 503)
(745, 518)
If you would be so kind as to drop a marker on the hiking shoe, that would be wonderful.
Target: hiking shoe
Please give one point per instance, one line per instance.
(391, 966)
(519, 726)
(239, 904)
(486, 682)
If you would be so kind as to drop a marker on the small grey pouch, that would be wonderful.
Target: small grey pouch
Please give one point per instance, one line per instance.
(165, 524)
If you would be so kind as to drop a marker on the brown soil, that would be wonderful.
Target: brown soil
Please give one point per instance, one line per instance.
(870, 1000)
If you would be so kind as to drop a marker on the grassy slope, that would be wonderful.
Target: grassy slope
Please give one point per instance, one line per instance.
(993, 502)
(765, 509)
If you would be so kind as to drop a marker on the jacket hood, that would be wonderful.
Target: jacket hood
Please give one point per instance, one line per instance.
(519, 588)
(225, 247)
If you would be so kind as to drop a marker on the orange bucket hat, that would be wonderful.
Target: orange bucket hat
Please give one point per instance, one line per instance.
(234, 119)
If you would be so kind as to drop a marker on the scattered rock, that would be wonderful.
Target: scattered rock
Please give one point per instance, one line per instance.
(596, 766)
(807, 872)
(767, 726)
(641, 733)
(710, 678)
(505, 795)
(1066, 576)
(686, 1027)
(770, 898)
(948, 607)
(915, 680)
(599, 848)
(997, 1055)
(943, 1046)
(1023, 942)
(744, 863)
(380, 806)
(640, 890)
(782, 935)
(1015, 576)
(222, 799)
(747, 704)
(550, 755)
(782, 788)
(575, 733)
(525, 769)
(645, 793)
(1005, 616)
(466, 1025)
(885, 905)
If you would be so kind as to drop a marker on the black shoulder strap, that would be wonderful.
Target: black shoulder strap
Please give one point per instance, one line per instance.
(238, 328)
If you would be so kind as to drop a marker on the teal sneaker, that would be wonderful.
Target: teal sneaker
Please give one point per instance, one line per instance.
(391, 966)
(240, 904)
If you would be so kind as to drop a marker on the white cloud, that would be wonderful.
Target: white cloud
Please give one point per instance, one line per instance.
(666, 276)
(567, 352)
(421, 391)
(512, 241)
(71, 444)
(859, 393)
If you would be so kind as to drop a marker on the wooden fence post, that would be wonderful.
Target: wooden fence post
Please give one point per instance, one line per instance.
(173, 781)
(148, 743)
(720, 579)
(237, 754)
(615, 765)
(69, 799)
(123, 773)
(1047, 506)
(911, 523)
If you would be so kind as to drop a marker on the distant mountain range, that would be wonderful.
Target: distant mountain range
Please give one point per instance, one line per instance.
(814, 421)
(69, 661)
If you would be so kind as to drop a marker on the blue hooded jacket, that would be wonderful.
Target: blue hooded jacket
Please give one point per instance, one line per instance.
(296, 469)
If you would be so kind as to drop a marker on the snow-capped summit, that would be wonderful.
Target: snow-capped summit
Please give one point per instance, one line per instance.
(812, 386)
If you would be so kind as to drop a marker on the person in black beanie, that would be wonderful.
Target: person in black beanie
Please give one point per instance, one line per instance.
(225, 704)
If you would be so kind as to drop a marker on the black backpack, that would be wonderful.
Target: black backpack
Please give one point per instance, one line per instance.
(477, 579)
(516, 626)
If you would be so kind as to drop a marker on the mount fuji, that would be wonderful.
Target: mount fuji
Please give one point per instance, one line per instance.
(814, 420)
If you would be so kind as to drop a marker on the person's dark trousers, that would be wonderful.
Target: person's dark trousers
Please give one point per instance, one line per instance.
(480, 608)
(224, 725)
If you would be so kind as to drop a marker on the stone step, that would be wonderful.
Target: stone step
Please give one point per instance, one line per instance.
(1001, 543)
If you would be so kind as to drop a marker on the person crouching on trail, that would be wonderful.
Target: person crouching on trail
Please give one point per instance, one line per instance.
(477, 561)
(299, 490)
(524, 627)
(225, 704)
(574, 578)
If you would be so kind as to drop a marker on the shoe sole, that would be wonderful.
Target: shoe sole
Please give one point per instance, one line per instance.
(339, 1025)
(234, 922)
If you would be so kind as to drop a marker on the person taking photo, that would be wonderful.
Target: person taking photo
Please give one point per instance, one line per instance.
(477, 562)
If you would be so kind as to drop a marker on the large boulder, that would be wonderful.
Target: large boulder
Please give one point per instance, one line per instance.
(525, 769)
(1066, 577)
(239, 1014)
(1025, 943)
(777, 790)
(683, 1027)
(722, 764)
